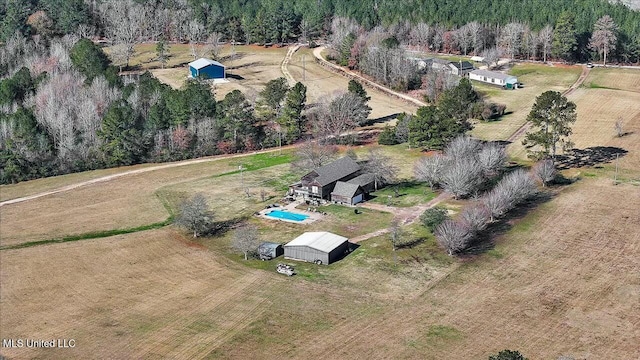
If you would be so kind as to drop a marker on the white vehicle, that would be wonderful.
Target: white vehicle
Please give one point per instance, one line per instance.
(285, 269)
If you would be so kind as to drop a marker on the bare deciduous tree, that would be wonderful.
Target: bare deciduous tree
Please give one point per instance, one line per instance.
(122, 26)
(476, 217)
(546, 40)
(462, 147)
(462, 177)
(475, 31)
(545, 171)
(195, 215)
(420, 35)
(464, 38)
(311, 155)
(429, 169)
(395, 234)
(340, 114)
(604, 36)
(453, 235)
(511, 38)
(492, 158)
(246, 239)
(619, 128)
(498, 202)
(491, 57)
(381, 166)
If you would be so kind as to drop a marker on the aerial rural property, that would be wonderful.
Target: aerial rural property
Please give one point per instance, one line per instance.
(368, 179)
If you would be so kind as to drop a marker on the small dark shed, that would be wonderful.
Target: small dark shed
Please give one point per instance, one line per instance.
(270, 250)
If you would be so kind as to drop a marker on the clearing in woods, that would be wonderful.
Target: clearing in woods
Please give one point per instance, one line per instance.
(253, 66)
(568, 288)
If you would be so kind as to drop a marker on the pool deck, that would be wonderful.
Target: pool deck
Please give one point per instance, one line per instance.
(312, 216)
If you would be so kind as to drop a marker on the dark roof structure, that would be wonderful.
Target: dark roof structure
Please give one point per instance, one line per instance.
(336, 170)
(363, 179)
(345, 189)
(464, 64)
(269, 245)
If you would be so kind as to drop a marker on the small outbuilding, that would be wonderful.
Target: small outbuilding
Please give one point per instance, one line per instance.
(270, 250)
(206, 69)
(347, 193)
(317, 247)
(461, 68)
(495, 78)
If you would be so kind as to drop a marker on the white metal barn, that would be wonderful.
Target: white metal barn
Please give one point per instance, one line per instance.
(319, 247)
(495, 78)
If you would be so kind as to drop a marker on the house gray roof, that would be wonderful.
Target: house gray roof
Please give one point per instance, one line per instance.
(345, 189)
(493, 74)
(363, 180)
(336, 170)
(202, 62)
(322, 241)
(465, 65)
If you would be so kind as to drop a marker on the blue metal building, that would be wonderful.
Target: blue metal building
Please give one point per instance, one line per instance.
(206, 69)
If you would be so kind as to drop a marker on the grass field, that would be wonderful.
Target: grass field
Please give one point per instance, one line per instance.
(410, 194)
(321, 82)
(559, 290)
(125, 202)
(537, 79)
(621, 79)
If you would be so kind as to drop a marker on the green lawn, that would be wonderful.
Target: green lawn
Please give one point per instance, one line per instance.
(410, 194)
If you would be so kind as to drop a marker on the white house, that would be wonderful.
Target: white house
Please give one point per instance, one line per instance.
(495, 78)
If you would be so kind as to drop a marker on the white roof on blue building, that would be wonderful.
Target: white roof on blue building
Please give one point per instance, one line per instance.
(320, 240)
(202, 62)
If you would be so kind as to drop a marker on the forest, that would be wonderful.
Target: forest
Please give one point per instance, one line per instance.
(278, 21)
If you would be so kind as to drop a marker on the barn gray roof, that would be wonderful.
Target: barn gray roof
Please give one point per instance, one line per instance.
(202, 62)
(363, 180)
(345, 189)
(320, 240)
(336, 170)
(493, 74)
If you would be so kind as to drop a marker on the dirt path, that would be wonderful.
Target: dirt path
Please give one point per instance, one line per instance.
(317, 53)
(285, 64)
(138, 171)
(406, 216)
(526, 126)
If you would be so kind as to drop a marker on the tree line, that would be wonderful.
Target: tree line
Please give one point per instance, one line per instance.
(521, 28)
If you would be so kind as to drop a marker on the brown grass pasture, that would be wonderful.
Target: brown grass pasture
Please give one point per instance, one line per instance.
(569, 287)
(124, 202)
(598, 111)
(537, 79)
(321, 82)
(621, 79)
(26, 188)
(144, 295)
(562, 281)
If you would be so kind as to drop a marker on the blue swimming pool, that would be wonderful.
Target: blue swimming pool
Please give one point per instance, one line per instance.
(282, 214)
